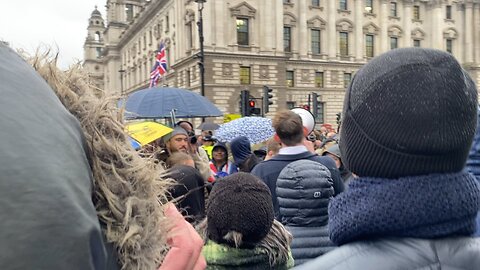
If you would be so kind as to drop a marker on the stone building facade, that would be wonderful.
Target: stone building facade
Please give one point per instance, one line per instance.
(294, 46)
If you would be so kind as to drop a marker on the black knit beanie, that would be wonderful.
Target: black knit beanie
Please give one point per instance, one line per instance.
(240, 202)
(408, 112)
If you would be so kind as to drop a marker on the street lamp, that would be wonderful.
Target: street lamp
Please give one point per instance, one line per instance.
(201, 64)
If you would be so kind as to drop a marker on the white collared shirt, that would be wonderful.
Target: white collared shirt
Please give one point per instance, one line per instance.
(292, 150)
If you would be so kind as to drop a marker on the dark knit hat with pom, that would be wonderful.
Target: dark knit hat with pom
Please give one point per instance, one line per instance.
(408, 112)
(242, 203)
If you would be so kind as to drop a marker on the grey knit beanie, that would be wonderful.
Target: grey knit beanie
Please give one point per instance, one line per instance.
(242, 203)
(408, 112)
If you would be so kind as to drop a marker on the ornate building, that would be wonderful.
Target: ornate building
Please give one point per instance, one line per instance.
(294, 46)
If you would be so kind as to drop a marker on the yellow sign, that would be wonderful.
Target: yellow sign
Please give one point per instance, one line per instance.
(230, 117)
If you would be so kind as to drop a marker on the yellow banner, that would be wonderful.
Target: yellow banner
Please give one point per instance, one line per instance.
(231, 116)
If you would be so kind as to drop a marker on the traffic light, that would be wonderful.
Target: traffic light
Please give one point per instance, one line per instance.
(245, 102)
(306, 107)
(267, 98)
(251, 108)
(315, 104)
(339, 118)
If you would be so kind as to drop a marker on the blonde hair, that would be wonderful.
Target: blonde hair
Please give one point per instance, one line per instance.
(127, 189)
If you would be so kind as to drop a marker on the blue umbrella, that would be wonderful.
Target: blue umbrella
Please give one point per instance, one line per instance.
(256, 129)
(158, 102)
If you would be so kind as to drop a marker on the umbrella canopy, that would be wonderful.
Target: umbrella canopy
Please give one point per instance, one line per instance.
(158, 102)
(146, 132)
(208, 126)
(256, 129)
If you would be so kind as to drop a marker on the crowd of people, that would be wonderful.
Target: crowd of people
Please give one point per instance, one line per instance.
(395, 188)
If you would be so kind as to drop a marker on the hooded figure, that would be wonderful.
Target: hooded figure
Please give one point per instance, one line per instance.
(413, 206)
(240, 230)
(74, 193)
(334, 152)
(220, 165)
(242, 154)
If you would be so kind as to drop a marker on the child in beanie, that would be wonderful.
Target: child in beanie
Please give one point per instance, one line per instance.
(240, 230)
(412, 206)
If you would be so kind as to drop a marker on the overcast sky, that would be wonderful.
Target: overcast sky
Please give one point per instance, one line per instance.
(28, 24)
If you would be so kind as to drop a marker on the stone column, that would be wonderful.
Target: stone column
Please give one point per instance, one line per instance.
(476, 31)
(407, 23)
(468, 32)
(436, 20)
(267, 24)
(359, 37)
(302, 30)
(219, 24)
(384, 39)
(332, 29)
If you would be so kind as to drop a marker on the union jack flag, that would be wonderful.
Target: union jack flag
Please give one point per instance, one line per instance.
(160, 66)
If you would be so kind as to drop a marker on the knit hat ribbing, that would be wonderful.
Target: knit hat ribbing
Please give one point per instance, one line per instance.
(407, 112)
(241, 203)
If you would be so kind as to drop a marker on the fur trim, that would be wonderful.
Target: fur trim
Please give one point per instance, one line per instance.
(276, 243)
(128, 190)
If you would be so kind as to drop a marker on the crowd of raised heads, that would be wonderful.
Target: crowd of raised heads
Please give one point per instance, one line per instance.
(393, 186)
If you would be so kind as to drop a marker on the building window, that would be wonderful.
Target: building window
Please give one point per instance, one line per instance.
(244, 75)
(393, 43)
(416, 43)
(189, 36)
(448, 12)
(369, 6)
(99, 52)
(316, 3)
(167, 24)
(290, 104)
(393, 9)
(242, 31)
(319, 79)
(416, 12)
(129, 12)
(343, 5)
(289, 76)
(347, 77)
(315, 41)
(287, 39)
(369, 45)
(188, 79)
(449, 45)
(343, 43)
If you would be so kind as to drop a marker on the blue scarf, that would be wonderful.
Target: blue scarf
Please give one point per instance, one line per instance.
(428, 206)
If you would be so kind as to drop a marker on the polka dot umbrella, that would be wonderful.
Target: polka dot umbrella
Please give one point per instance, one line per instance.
(256, 129)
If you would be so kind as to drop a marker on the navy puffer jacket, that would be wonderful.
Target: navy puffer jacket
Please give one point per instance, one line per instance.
(304, 189)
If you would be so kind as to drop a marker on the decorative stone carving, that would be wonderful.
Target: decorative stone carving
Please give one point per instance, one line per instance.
(227, 69)
(344, 25)
(418, 33)
(305, 74)
(371, 28)
(264, 71)
(289, 19)
(395, 31)
(450, 33)
(317, 22)
(243, 10)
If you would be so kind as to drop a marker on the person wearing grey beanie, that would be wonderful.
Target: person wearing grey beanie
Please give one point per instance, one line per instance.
(409, 119)
(240, 230)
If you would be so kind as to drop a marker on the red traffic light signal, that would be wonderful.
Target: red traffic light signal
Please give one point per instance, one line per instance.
(251, 103)
(306, 107)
